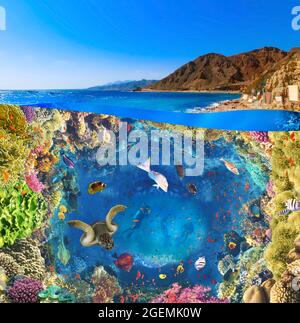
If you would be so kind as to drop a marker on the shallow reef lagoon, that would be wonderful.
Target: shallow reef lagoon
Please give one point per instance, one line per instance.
(170, 107)
(224, 236)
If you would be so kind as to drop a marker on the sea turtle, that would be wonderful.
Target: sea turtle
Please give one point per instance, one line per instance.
(101, 232)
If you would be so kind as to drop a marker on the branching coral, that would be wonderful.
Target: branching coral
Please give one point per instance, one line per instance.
(196, 294)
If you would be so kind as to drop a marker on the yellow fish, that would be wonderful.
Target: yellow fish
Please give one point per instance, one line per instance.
(96, 187)
(180, 269)
(63, 209)
(162, 276)
(61, 216)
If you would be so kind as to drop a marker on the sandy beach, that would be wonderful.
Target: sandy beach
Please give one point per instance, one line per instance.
(240, 104)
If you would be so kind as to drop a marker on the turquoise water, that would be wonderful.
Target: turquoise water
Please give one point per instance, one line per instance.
(175, 108)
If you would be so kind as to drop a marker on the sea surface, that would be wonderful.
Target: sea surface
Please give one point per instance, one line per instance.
(175, 108)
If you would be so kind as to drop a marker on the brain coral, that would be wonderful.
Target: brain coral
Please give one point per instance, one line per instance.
(10, 266)
(283, 293)
(21, 211)
(26, 253)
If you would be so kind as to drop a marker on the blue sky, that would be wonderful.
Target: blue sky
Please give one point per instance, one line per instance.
(81, 43)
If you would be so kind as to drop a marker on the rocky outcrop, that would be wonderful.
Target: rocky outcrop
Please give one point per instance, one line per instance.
(218, 72)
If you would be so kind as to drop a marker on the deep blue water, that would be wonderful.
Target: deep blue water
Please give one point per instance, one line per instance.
(179, 227)
(175, 108)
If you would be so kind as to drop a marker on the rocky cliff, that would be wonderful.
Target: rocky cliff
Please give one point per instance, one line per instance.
(218, 72)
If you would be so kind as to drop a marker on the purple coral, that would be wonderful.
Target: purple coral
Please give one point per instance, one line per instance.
(29, 113)
(34, 183)
(260, 136)
(270, 189)
(25, 290)
(196, 294)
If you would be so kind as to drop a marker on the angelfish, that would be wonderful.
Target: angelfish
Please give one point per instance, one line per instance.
(159, 179)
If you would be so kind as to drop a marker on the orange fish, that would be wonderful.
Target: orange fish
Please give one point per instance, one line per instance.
(77, 276)
(231, 245)
(247, 186)
(138, 275)
(292, 136)
(6, 176)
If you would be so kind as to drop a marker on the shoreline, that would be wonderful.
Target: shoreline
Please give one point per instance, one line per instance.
(240, 105)
(189, 91)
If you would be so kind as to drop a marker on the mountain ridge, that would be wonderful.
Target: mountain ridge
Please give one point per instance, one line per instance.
(213, 71)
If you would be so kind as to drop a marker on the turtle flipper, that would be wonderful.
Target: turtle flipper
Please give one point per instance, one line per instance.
(111, 227)
(88, 237)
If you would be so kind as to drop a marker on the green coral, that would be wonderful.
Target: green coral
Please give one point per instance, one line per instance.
(284, 234)
(13, 155)
(286, 179)
(21, 211)
(15, 142)
(226, 290)
(13, 121)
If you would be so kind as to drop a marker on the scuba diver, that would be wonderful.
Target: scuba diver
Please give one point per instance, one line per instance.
(137, 220)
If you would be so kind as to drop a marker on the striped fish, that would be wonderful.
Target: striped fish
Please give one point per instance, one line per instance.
(200, 263)
(291, 205)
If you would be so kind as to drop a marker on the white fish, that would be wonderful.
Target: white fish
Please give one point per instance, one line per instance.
(230, 166)
(291, 205)
(159, 179)
(200, 263)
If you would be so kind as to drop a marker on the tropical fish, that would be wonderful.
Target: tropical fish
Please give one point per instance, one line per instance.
(124, 261)
(63, 253)
(6, 176)
(68, 161)
(162, 276)
(200, 263)
(291, 205)
(180, 269)
(96, 187)
(180, 171)
(231, 245)
(159, 179)
(192, 188)
(61, 216)
(230, 166)
(63, 209)
(138, 275)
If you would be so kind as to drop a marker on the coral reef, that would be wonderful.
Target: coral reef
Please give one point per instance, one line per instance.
(195, 294)
(21, 212)
(29, 113)
(106, 286)
(10, 266)
(25, 290)
(26, 253)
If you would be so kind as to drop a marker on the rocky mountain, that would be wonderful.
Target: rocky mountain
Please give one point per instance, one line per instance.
(123, 85)
(218, 72)
(277, 78)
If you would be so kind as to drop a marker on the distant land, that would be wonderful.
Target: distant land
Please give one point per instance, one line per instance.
(216, 72)
(124, 85)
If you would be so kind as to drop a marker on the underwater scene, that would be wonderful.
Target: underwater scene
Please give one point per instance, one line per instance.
(75, 231)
